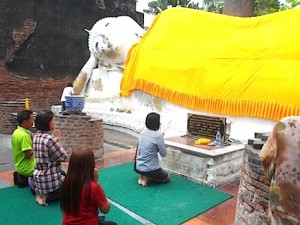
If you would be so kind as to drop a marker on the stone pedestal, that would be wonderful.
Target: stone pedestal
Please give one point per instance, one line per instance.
(78, 130)
(213, 166)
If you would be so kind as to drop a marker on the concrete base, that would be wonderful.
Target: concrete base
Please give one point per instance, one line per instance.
(211, 166)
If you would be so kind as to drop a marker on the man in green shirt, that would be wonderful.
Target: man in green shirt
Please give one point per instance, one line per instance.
(22, 149)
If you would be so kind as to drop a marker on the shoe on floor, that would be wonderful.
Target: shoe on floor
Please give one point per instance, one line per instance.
(15, 174)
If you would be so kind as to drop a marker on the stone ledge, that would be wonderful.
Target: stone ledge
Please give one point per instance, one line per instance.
(189, 162)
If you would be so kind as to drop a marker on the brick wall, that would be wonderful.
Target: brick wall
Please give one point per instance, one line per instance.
(42, 94)
(8, 121)
(81, 131)
(253, 195)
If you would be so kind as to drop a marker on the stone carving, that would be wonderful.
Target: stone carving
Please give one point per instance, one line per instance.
(109, 42)
(280, 157)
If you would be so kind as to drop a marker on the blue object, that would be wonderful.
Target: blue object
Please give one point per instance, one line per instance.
(75, 103)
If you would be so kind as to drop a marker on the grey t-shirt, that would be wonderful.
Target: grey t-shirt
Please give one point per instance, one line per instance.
(150, 144)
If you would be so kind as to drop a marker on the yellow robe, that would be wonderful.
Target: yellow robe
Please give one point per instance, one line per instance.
(220, 64)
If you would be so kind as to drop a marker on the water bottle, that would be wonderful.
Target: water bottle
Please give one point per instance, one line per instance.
(218, 139)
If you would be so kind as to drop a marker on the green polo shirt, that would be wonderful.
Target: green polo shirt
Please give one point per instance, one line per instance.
(20, 142)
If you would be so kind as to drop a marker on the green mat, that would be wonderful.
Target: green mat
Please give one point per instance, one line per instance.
(18, 207)
(162, 204)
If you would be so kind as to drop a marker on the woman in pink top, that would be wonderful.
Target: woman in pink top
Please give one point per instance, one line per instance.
(81, 195)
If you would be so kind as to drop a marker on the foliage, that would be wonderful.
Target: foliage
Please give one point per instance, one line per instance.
(262, 7)
(158, 6)
(213, 5)
(291, 4)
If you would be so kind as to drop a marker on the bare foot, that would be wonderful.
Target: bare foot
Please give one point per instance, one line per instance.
(144, 181)
(44, 200)
(40, 198)
(140, 180)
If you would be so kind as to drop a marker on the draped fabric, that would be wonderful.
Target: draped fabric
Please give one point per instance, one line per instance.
(220, 64)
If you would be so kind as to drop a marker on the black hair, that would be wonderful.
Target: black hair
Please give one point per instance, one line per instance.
(43, 119)
(153, 121)
(69, 85)
(23, 115)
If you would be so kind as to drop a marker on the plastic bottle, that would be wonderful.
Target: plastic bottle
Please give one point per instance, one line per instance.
(218, 139)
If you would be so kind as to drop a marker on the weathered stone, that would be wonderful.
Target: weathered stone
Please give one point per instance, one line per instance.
(248, 207)
(211, 167)
(250, 141)
(258, 144)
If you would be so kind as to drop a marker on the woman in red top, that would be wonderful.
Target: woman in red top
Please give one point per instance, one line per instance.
(81, 195)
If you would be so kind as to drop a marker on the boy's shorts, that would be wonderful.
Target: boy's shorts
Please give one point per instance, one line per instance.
(20, 180)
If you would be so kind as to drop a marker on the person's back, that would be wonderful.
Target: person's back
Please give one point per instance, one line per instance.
(22, 149)
(151, 143)
(88, 206)
(49, 153)
(82, 181)
(68, 91)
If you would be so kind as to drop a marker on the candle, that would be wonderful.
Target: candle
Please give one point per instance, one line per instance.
(26, 104)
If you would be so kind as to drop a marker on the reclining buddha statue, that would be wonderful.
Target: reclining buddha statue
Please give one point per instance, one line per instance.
(245, 69)
(109, 42)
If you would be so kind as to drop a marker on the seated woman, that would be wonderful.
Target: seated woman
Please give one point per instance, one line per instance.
(82, 195)
(151, 142)
(49, 153)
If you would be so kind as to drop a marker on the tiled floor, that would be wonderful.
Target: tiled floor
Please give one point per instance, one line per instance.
(222, 214)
